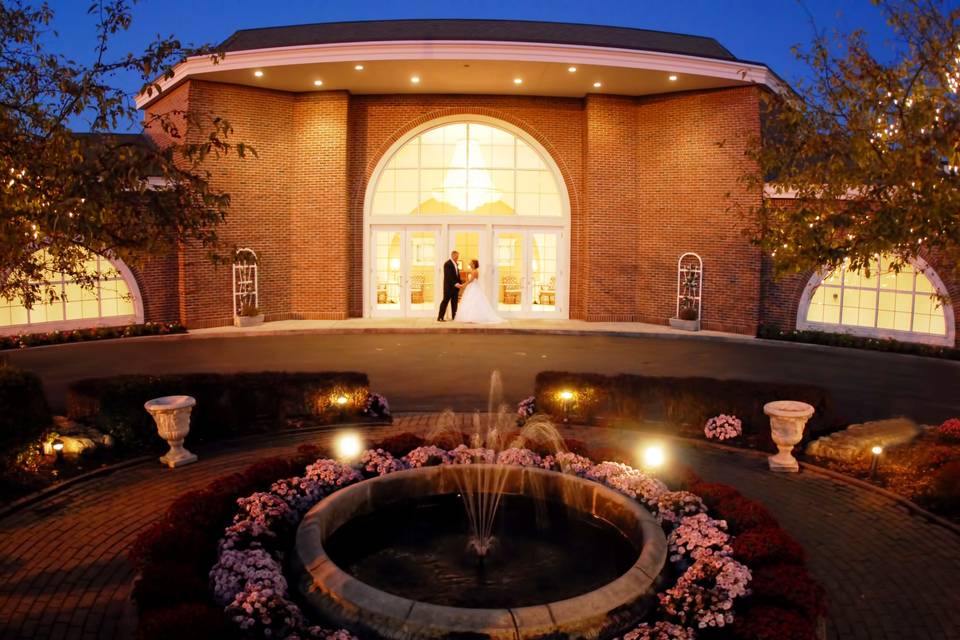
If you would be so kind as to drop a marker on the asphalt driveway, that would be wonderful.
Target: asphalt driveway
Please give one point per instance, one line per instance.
(431, 371)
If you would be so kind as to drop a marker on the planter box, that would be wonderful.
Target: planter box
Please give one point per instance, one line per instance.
(248, 321)
(686, 325)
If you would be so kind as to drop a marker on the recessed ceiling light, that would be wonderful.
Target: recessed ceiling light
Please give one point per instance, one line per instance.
(597, 85)
(518, 81)
(318, 83)
(672, 78)
(415, 79)
(358, 67)
(258, 73)
(572, 69)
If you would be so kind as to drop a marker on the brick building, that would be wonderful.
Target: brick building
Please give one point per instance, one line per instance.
(576, 163)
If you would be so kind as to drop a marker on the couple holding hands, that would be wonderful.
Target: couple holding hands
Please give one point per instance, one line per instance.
(473, 307)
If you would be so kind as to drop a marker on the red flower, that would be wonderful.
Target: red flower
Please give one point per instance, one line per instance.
(773, 623)
(789, 586)
(767, 545)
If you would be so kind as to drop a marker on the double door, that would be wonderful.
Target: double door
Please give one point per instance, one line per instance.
(522, 270)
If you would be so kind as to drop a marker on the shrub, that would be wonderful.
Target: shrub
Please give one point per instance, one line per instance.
(773, 623)
(227, 404)
(154, 586)
(788, 586)
(25, 414)
(857, 342)
(943, 496)
(767, 545)
(83, 335)
(680, 401)
(187, 621)
(401, 444)
(950, 430)
(742, 514)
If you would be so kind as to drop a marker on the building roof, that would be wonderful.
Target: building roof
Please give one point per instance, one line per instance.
(474, 30)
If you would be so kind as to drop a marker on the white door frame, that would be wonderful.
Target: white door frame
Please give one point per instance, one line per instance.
(404, 310)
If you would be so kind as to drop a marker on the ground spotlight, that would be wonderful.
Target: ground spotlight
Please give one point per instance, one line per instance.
(654, 456)
(347, 446)
(342, 400)
(876, 450)
(58, 449)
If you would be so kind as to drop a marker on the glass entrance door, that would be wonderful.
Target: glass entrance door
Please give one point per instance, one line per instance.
(404, 271)
(528, 273)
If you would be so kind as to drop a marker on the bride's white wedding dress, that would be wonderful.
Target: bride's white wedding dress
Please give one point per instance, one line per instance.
(474, 306)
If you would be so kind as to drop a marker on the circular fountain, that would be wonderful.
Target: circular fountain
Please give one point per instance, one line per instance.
(535, 553)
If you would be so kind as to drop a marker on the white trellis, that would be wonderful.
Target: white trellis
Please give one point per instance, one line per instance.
(689, 282)
(245, 281)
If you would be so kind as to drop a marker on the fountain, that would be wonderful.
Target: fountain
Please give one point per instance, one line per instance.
(498, 550)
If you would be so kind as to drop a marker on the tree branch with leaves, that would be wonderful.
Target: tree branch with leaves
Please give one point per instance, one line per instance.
(868, 147)
(64, 194)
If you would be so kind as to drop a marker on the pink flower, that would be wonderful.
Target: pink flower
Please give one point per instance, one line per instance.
(723, 427)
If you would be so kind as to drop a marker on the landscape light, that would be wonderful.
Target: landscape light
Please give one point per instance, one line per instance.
(58, 449)
(672, 77)
(347, 446)
(566, 395)
(318, 83)
(258, 73)
(342, 400)
(876, 450)
(654, 456)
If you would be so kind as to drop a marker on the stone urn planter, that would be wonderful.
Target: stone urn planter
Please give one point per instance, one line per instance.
(686, 325)
(248, 321)
(787, 420)
(172, 415)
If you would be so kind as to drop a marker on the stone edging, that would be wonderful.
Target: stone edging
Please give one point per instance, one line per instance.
(345, 599)
(911, 506)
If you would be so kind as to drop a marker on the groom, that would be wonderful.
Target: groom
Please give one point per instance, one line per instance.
(451, 286)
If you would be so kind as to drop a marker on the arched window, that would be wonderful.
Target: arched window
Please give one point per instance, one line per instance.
(113, 300)
(467, 168)
(881, 304)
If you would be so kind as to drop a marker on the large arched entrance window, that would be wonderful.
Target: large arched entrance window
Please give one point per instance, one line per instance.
(114, 300)
(910, 305)
(482, 187)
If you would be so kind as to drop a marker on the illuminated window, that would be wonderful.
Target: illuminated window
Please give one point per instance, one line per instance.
(109, 302)
(883, 303)
(466, 169)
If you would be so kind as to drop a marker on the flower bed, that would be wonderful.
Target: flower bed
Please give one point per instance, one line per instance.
(680, 405)
(857, 342)
(227, 404)
(25, 340)
(245, 547)
(925, 470)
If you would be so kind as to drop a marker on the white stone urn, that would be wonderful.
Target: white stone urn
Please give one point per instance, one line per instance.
(172, 415)
(787, 420)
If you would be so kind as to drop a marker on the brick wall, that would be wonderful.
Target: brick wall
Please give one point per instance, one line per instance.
(648, 178)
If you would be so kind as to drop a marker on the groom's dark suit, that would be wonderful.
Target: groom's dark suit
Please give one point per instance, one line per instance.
(451, 294)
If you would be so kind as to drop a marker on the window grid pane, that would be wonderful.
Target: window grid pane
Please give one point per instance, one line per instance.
(466, 169)
(882, 300)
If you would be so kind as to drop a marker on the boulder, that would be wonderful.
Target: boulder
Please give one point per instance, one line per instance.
(76, 437)
(854, 442)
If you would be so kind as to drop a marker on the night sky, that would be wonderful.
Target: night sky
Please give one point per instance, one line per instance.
(756, 30)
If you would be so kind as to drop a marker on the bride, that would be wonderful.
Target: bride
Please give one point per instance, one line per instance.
(474, 306)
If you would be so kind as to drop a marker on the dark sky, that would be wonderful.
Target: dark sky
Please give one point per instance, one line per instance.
(756, 30)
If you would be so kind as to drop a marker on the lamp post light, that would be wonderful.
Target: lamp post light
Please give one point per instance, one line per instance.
(876, 450)
(566, 396)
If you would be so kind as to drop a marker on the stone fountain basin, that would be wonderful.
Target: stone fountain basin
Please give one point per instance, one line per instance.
(344, 600)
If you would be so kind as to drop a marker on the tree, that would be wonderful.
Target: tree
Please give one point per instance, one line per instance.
(64, 194)
(869, 146)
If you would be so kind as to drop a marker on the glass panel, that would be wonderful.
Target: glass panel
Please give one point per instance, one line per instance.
(422, 249)
(509, 257)
(464, 168)
(543, 269)
(388, 269)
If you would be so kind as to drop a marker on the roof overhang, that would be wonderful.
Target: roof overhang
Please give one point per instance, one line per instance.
(469, 67)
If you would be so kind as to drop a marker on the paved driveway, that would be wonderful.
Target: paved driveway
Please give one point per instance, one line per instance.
(430, 371)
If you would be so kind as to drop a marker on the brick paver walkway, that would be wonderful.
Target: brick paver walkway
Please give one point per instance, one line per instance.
(65, 575)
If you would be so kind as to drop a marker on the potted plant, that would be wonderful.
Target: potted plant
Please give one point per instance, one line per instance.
(249, 316)
(687, 318)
